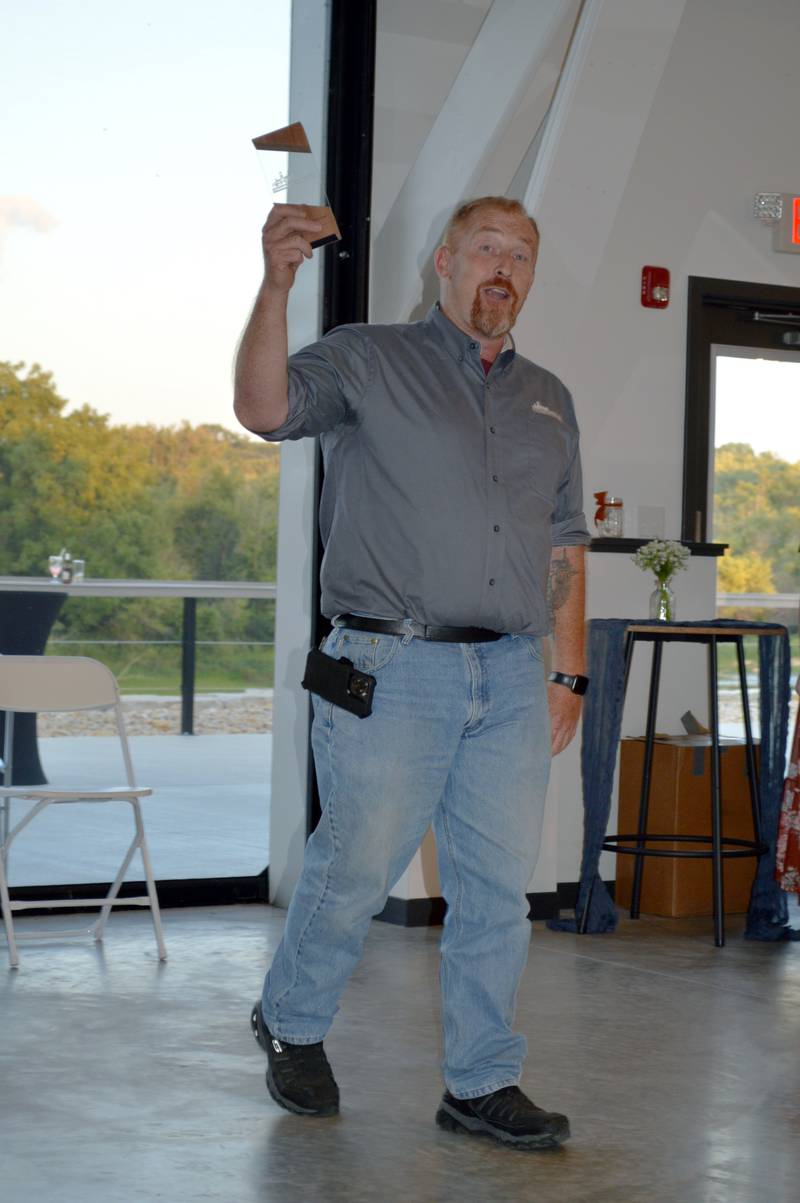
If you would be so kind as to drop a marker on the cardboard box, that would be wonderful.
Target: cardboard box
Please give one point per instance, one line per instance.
(680, 803)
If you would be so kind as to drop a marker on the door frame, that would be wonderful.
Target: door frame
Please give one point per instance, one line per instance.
(733, 313)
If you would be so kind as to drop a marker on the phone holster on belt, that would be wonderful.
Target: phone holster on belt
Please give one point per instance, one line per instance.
(339, 682)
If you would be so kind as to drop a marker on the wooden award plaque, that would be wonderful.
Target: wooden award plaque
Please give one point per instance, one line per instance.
(292, 139)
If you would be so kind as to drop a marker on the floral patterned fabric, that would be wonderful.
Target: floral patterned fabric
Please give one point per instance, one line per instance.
(787, 857)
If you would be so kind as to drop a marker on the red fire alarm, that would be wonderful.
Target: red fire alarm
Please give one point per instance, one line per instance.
(655, 287)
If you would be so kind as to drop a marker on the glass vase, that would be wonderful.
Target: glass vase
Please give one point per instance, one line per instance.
(662, 602)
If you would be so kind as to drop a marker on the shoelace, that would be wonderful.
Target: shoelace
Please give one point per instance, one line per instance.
(507, 1105)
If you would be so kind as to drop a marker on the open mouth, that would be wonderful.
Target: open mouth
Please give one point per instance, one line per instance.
(494, 307)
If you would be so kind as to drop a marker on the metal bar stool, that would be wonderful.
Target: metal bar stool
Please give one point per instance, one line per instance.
(721, 847)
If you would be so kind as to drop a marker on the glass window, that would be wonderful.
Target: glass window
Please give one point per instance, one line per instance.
(755, 500)
(129, 252)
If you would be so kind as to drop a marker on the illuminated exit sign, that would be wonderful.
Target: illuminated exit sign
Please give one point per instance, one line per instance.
(786, 231)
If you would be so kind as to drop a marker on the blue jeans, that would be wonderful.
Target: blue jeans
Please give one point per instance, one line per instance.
(459, 737)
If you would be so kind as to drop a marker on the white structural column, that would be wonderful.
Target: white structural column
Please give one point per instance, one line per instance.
(540, 157)
(297, 512)
(487, 91)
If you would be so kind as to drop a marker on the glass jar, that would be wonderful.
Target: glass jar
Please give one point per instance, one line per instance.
(614, 520)
(67, 571)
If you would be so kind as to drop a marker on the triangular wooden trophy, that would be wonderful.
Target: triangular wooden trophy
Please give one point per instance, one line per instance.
(302, 176)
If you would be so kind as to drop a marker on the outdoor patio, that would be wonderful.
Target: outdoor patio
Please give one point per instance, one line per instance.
(208, 817)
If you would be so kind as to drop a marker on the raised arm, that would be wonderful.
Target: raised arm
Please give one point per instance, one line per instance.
(566, 596)
(260, 399)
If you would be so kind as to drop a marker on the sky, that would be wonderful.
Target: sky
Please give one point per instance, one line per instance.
(131, 203)
(758, 402)
(131, 198)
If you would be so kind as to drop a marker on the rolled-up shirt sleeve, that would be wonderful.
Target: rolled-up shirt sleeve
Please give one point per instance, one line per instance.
(327, 383)
(568, 528)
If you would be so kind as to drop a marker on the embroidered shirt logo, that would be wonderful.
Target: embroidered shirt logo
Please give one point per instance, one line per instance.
(539, 408)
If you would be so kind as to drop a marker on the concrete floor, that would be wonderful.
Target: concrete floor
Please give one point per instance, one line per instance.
(124, 1079)
(208, 816)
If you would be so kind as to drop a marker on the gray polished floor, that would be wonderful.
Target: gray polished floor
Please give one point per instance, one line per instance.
(124, 1079)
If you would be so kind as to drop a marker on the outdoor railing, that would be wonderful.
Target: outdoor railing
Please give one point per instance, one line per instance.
(190, 591)
(193, 591)
(767, 601)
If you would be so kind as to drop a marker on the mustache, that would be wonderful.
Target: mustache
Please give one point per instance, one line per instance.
(499, 282)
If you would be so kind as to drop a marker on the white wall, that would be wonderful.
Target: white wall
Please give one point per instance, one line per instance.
(667, 180)
(719, 126)
(681, 113)
(461, 90)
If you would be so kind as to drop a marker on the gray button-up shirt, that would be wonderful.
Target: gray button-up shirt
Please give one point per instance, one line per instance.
(445, 488)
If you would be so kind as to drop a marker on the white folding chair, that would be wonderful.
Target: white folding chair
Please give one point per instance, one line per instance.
(35, 684)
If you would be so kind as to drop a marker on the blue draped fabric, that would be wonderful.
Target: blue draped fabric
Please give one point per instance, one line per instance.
(767, 916)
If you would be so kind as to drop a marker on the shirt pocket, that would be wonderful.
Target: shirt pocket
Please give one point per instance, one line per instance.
(540, 464)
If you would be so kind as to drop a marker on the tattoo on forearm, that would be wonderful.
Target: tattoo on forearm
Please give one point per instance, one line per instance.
(559, 583)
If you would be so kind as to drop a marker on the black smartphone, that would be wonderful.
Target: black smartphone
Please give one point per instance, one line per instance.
(339, 682)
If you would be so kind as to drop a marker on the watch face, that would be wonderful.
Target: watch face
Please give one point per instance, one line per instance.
(580, 684)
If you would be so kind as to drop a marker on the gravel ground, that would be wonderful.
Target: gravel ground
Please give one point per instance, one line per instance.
(230, 714)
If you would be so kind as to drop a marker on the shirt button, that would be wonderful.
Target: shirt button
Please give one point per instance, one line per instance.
(492, 430)
(495, 479)
(497, 528)
(491, 582)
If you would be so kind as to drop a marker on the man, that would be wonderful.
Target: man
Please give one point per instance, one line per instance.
(452, 491)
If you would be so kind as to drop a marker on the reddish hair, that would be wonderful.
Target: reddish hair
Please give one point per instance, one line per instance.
(465, 211)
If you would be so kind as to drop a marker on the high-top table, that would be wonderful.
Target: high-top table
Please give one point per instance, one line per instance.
(611, 643)
(721, 846)
(30, 605)
(26, 619)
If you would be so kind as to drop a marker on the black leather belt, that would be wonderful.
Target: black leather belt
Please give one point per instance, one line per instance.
(399, 626)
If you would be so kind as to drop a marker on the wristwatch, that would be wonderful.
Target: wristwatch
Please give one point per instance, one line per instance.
(577, 683)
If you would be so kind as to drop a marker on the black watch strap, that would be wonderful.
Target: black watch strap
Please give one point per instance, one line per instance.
(577, 683)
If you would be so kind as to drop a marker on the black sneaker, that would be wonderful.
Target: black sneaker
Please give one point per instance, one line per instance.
(299, 1076)
(507, 1115)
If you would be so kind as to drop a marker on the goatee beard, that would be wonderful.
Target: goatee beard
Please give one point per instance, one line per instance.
(486, 317)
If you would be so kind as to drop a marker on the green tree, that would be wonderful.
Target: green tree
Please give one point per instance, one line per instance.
(136, 502)
(69, 480)
(745, 572)
(757, 511)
